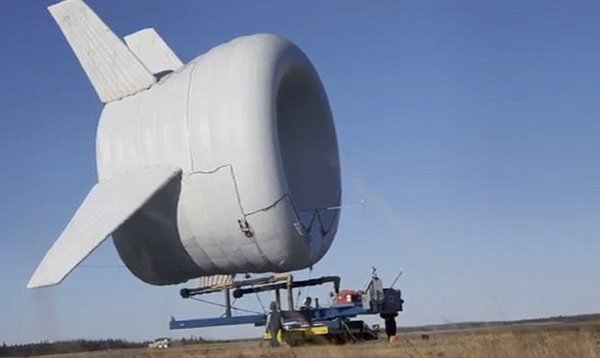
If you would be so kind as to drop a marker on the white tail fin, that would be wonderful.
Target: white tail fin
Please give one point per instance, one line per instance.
(109, 204)
(153, 51)
(114, 71)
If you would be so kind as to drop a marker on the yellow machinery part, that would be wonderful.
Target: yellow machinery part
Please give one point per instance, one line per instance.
(295, 336)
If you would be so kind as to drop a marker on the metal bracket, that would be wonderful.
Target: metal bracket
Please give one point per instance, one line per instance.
(245, 227)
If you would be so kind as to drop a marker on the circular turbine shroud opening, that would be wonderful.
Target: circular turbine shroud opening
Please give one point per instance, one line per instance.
(307, 140)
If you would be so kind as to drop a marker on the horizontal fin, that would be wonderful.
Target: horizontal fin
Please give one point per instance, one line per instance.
(108, 205)
(115, 72)
(153, 51)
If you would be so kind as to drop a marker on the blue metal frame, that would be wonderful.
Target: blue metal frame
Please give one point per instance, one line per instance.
(309, 314)
(256, 319)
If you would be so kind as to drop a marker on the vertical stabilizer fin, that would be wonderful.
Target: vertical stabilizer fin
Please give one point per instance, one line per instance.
(153, 51)
(108, 205)
(115, 72)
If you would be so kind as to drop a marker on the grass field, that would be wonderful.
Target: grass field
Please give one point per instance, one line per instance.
(543, 340)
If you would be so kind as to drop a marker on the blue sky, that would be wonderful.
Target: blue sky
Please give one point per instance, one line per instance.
(471, 129)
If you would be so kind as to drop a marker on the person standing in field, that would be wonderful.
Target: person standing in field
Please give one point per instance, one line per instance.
(274, 323)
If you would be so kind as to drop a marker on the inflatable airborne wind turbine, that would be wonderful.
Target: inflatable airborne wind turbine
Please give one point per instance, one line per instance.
(224, 165)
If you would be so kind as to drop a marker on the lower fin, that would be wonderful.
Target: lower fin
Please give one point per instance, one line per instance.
(108, 205)
(215, 281)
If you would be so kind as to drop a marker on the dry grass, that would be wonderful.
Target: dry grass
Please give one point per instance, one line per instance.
(566, 340)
